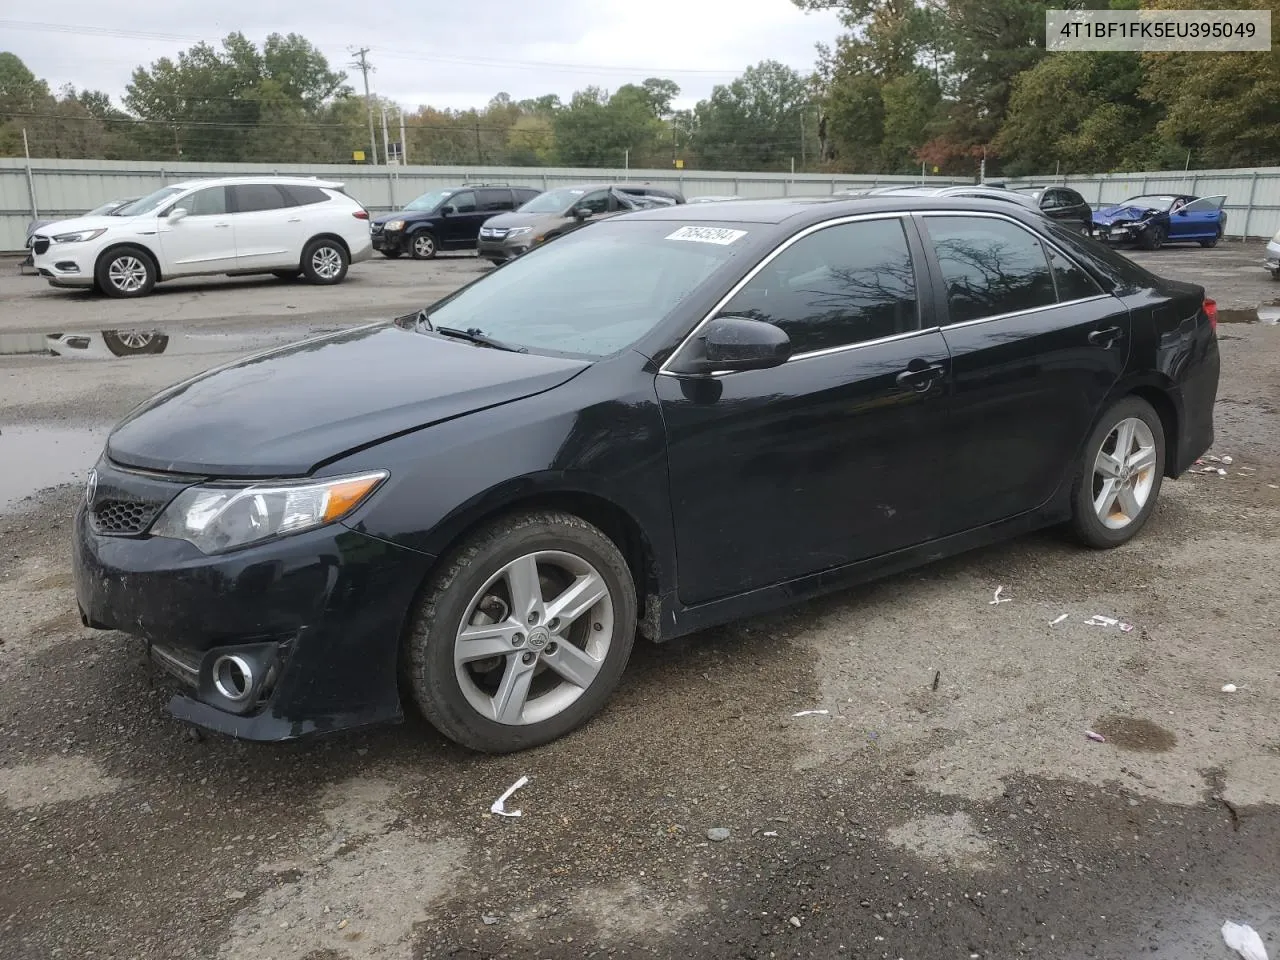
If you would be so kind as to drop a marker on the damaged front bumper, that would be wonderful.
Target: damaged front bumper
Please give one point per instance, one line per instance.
(280, 640)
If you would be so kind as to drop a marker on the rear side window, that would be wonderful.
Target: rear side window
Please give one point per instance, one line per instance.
(302, 195)
(990, 267)
(1072, 282)
(840, 286)
(251, 197)
(1072, 198)
(494, 201)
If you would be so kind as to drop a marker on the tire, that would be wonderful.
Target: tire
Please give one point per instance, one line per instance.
(285, 274)
(1124, 515)
(325, 261)
(125, 272)
(128, 343)
(423, 245)
(472, 587)
(1275, 274)
(392, 254)
(1152, 239)
(1213, 241)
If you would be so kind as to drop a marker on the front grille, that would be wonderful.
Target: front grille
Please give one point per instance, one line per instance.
(126, 503)
(40, 244)
(492, 233)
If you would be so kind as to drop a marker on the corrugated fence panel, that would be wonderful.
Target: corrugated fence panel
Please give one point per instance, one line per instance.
(66, 188)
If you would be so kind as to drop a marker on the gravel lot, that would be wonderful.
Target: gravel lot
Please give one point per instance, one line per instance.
(947, 805)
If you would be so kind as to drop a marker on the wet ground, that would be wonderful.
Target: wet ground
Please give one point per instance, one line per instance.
(947, 804)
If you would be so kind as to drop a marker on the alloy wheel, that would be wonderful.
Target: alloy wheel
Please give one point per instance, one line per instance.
(326, 262)
(534, 637)
(1124, 473)
(134, 340)
(127, 274)
(423, 246)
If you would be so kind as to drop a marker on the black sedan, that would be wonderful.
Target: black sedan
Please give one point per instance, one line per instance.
(660, 422)
(1062, 203)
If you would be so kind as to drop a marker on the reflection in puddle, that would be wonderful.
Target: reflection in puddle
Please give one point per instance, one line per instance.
(114, 344)
(1267, 314)
(36, 456)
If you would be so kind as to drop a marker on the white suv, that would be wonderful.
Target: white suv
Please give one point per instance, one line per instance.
(234, 225)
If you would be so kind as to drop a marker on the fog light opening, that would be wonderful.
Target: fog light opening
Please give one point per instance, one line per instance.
(233, 677)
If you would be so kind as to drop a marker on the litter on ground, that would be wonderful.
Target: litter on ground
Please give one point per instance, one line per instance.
(500, 805)
(997, 598)
(1054, 623)
(1244, 940)
(1092, 735)
(1229, 688)
(811, 713)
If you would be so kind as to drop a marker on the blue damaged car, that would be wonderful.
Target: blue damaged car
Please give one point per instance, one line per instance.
(1152, 221)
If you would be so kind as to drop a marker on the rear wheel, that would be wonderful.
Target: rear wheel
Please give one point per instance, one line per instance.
(1120, 474)
(325, 261)
(523, 634)
(422, 245)
(1212, 241)
(125, 272)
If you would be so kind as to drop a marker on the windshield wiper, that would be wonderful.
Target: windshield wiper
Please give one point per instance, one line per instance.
(474, 335)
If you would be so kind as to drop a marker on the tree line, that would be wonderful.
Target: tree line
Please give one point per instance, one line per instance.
(910, 85)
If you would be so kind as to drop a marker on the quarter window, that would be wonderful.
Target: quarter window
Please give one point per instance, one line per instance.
(990, 267)
(1072, 282)
(842, 285)
(302, 195)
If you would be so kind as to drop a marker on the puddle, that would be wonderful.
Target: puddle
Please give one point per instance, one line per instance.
(117, 344)
(1267, 314)
(1130, 733)
(36, 457)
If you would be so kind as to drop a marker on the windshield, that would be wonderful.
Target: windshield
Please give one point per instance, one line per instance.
(554, 201)
(1149, 203)
(593, 291)
(429, 200)
(151, 202)
(108, 208)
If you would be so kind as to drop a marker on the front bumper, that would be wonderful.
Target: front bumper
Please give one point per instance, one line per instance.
(1271, 259)
(65, 264)
(1123, 233)
(316, 617)
(500, 251)
(390, 240)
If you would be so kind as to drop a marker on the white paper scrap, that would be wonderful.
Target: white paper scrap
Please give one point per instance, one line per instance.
(811, 713)
(1054, 623)
(998, 598)
(1244, 940)
(500, 805)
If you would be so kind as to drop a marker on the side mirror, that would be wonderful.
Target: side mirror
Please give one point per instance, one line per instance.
(740, 343)
(177, 213)
(448, 210)
(580, 213)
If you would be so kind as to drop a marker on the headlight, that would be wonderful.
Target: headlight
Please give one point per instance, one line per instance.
(518, 232)
(393, 225)
(218, 518)
(80, 236)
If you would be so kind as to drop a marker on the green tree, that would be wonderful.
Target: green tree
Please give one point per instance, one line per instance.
(753, 123)
(22, 98)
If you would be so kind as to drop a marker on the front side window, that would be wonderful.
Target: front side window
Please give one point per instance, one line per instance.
(839, 286)
(209, 202)
(597, 202)
(592, 292)
(464, 202)
(990, 267)
(554, 201)
(253, 197)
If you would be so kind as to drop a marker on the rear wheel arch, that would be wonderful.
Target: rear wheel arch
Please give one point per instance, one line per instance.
(1159, 396)
(331, 237)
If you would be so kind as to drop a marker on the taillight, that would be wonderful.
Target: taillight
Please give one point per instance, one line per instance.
(360, 214)
(1211, 311)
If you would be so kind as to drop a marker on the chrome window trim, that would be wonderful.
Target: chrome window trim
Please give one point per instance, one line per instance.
(1022, 313)
(898, 215)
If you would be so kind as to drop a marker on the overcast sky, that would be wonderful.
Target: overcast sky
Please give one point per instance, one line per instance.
(446, 54)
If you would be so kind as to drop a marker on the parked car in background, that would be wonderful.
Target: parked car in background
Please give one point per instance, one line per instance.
(1151, 221)
(659, 422)
(714, 199)
(966, 191)
(1062, 203)
(104, 210)
(236, 225)
(446, 219)
(1271, 260)
(558, 211)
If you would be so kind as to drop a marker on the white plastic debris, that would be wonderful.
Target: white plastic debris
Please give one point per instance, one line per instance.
(500, 805)
(1054, 623)
(769, 833)
(1098, 620)
(999, 599)
(1227, 460)
(1229, 688)
(1244, 940)
(812, 713)
(1095, 736)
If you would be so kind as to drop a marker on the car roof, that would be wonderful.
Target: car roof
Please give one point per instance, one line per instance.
(810, 210)
(299, 181)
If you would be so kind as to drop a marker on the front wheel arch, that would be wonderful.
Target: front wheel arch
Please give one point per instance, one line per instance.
(115, 247)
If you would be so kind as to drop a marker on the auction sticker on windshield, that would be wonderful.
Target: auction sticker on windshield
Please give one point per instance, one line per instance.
(721, 235)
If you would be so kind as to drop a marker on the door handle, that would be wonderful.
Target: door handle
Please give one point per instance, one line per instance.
(1106, 337)
(295, 219)
(221, 226)
(920, 379)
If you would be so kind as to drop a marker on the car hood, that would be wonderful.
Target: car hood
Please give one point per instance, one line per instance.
(505, 221)
(284, 412)
(1114, 214)
(81, 223)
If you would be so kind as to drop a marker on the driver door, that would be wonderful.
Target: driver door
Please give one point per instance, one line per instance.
(1198, 220)
(204, 240)
(462, 226)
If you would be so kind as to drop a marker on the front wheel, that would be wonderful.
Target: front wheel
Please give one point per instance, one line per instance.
(325, 261)
(422, 245)
(1120, 474)
(523, 634)
(125, 272)
(1152, 238)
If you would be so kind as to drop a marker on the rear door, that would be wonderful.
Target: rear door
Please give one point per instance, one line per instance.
(201, 242)
(1198, 220)
(834, 456)
(1035, 345)
(269, 229)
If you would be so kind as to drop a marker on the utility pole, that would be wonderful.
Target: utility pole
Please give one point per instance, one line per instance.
(803, 152)
(404, 143)
(386, 139)
(362, 61)
(479, 155)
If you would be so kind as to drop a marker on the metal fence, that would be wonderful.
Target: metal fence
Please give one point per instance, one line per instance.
(58, 189)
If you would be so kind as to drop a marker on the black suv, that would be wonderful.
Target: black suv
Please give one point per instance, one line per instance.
(447, 219)
(1061, 203)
